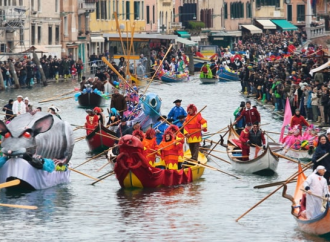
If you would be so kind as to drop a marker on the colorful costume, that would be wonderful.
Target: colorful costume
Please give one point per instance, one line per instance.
(92, 121)
(251, 115)
(244, 138)
(205, 71)
(150, 145)
(180, 138)
(298, 120)
(194, 126)
(169, 155)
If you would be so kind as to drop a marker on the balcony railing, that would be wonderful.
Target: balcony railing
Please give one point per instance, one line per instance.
(86, 6)
(317, 31)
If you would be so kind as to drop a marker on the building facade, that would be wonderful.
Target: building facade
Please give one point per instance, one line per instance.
(151, 17)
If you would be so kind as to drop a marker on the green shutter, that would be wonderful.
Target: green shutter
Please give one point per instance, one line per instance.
(289, 12)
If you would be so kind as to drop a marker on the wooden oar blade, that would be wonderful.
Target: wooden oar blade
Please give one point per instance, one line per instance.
(18, 206)
(10, 183)
(272, 184)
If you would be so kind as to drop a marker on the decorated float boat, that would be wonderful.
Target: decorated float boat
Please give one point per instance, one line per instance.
(30, 152)
(100, 139)
(319, 225)
(265, 163)
(133, 171)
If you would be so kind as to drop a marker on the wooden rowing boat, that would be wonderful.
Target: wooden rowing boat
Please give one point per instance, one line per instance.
(319, 225)
(90, 100)
(225, 76)
(173, 79)
(301, 155)
(98, 143)
(209, 80)
(133, 171)
(264, 164)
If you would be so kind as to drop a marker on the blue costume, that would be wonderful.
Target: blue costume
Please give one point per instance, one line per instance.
(160, 128)
(176, 112)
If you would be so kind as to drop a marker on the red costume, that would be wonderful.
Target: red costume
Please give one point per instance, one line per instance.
(298, 120)
(92, 121)
(244, 138)
(179, 137)
(251, 116)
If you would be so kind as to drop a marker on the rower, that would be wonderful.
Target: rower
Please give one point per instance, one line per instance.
(177, 110)
(299, 120)
(251, 115)
(317, 185)
(91, 121)
(245, 142)
(257, 138)
(100, 115)
(160, 128)
(241, 123)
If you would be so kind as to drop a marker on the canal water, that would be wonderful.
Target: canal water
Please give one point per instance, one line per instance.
(202, 211)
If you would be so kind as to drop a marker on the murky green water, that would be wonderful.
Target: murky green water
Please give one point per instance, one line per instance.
(202, 211)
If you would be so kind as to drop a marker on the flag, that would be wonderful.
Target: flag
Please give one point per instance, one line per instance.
(287, 118)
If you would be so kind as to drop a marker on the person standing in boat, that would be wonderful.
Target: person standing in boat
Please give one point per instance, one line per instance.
(114, 119)
(193, 127)
(257, 139)
(180, 138)
(315, 184)
(177, 110)
(170, 151)
(251, 115)
(91, 121)
(241, 123)
(245, 142)
(322, 148)
(160, 128)
(118, 102)
(122, 127)
(214, 68)
(100, 115)
(19, 106)
(8, 108)
(299, 120)
(150, 145)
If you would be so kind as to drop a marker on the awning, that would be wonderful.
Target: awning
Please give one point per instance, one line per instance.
(186, 42)
(36, 49)
(195, 38)
(97, 39)
(183, 34)
(284, 25)
(267, 24)
(253, 29)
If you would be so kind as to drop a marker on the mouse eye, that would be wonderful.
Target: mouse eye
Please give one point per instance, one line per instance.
(27, 135)
(7, 135)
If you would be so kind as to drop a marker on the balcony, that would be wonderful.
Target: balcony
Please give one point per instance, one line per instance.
(318, 31)
(86, 6)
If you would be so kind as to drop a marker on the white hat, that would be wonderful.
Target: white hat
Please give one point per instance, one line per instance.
(319, 168)
(20, 96)
(56, 110)
(26, 98)
(328, 131)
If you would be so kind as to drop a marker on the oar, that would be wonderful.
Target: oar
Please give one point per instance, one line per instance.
(220, 158)
(108, 162)
(10, 183)
(272, 184)
(287, 158)
(81, 173)
(186, 123)
(323, 198)
(104, 174)
(103, 178)
(18, 206)
(191, 161)
(216, 144)
(270, 138)
(93, 157)
(271, 132)
(219, 151)
(286, 182)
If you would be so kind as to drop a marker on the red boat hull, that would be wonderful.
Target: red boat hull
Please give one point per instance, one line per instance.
(99, 143)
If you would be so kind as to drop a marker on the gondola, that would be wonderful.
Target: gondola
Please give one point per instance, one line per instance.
(301, 155)
(173, 79)
(209, 80)
(264, 164)
(133, 171)
(91, 100)
(225, 76)
(98, 143)
(319, 225)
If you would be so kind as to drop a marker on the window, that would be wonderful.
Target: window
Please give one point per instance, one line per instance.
(142, 10)
(65, 26)
(39, 5)
(97, 10)
(33, 34)
(50, 35)
(39, 34)
(113, 9)
(153, 14)
(3, 48)
(123, 10)
(57, 35)
(248, 10)
(32, 4)
(56, 6)
(289, 12)
(127, 10)
(173, 16)
(137, 14)
(148, 17)
(300, 12)
(21, 36)
(21, 2)
(103, 9)
(14, 3)
(225, 10)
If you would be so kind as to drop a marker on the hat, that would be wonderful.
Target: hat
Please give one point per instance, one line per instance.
(177, 101)
(319, 168)
(162, 117)
(328, 131)
(20, 96)
(249, 124)
(26, 98)
(55, 109)
(242, 104)
(89, 110)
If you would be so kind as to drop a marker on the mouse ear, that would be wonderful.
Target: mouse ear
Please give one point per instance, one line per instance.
(3, 128)
(43, 124)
